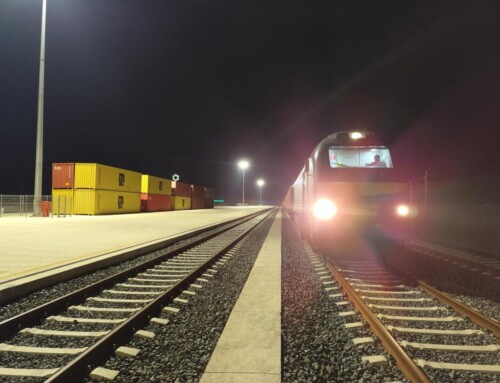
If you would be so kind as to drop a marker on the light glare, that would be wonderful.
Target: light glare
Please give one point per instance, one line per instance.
(260, 183)
(403, 210)
(356, 135)
(243, 164)
(324, 209)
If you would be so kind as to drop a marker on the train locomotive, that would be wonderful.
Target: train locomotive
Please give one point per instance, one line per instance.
(348, 189)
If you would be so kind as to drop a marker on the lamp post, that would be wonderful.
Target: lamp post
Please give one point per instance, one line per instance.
(39, 126)
(260, 183)
(243, 164)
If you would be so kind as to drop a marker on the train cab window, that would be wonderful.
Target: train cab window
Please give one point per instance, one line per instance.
(360, 157)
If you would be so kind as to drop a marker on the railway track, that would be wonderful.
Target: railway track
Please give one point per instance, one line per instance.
(486, 266)
(427, 332)
(96, 319)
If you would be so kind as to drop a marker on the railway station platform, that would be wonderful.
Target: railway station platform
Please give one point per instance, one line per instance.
(249, 349)
(35, 252)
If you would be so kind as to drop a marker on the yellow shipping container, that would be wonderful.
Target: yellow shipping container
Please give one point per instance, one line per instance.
(102, 177)
(181, 203)
(95, 202)
(62, 201)
(156, 185)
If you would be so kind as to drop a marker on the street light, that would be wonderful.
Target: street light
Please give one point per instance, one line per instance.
(39, 126)
(243, 164)
(260, 183)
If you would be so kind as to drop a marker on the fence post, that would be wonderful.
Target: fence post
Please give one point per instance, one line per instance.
(425, 191)
(411, 192)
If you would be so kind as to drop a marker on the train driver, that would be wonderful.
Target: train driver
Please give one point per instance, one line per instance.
(377, 162)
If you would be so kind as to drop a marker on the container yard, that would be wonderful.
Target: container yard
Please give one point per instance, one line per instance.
(95, 189)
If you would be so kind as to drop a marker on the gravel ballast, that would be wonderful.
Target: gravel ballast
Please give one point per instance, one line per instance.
(316, 346)
(50, 293)
(180, 351)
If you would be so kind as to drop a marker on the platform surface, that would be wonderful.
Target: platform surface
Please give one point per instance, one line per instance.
(30, 246)
(249, 349)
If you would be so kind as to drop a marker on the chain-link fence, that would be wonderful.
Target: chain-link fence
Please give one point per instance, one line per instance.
(20, 205)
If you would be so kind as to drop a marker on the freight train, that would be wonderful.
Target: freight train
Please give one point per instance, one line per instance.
(348, 189)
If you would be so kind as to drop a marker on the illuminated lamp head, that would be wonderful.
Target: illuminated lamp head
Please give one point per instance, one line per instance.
(324, 209)
(356, 135)
(403, 210)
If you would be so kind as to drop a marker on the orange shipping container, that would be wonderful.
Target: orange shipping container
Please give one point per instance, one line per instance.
(155, 202)
(198, 191)
(181, 189)
(63, 175)
(197, 203)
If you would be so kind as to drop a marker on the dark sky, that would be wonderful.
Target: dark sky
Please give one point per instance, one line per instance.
(190, 87)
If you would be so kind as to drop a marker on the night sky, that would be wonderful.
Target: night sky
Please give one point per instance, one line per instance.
(191, 87)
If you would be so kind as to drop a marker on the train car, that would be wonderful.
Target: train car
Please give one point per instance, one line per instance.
(348, 189)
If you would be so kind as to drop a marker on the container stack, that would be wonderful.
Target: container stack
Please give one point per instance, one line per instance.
(209, 195)
(101, 189)
(156, 193)
(198, 197)
(94, 189)
(181, 196)
(63, 180)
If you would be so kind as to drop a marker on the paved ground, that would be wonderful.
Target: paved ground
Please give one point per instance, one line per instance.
(249, 349)
(31, 246)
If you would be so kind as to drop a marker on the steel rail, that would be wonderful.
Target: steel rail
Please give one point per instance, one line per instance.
(11, 326)
(450, 257)
(105, 347)
(405, 363)
(473, 315)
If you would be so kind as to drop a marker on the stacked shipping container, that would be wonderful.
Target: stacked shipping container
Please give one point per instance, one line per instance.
(155, 193)
(95, 189)
(181, 196)
(91, 189)
(63, 180)
(198, 197)
(101, 189)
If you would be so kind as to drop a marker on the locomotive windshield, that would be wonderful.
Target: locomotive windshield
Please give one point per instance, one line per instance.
(360, 157)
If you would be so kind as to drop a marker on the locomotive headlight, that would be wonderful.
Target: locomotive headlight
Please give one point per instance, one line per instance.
(356, 135)
(403, 210)
(324, 209)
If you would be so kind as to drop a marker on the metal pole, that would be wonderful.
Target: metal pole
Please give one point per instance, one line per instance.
(260, 196)
(243, 190)
(39, 125)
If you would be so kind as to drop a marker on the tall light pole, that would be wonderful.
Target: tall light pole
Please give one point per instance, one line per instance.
(243, 164)
(39, 126)
(260, 183)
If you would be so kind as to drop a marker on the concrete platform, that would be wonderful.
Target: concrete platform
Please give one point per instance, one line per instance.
(249, 349)
(34, 252)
